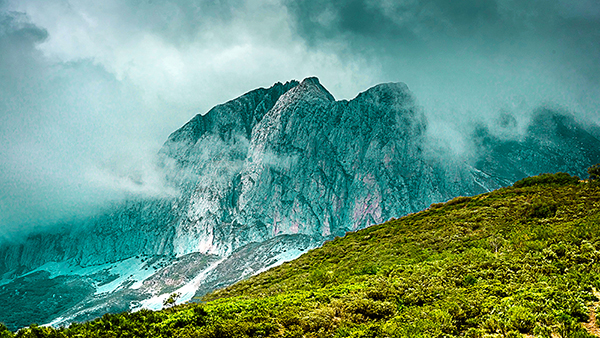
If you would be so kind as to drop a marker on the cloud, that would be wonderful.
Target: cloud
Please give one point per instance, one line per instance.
(190, 54)
(90, 89)
(469, 61)
(58, 123)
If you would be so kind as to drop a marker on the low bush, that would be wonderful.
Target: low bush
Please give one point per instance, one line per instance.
(558, 179)
(459, 200)
(541, 210)
(594, 172)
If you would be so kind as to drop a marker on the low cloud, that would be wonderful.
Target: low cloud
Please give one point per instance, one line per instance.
(59, 122)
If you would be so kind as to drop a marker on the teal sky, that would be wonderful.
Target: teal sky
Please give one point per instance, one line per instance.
(89, 90)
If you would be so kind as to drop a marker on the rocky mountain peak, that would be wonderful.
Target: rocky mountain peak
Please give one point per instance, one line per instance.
(235, 118)
(310, 89)
(393, 95)
(387, 91)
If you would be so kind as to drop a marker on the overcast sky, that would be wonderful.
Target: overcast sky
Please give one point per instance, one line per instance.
(90, 89)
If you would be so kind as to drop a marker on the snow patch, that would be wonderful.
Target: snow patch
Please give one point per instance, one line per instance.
(186, 292)
(283, 257)
(130, 270)
(68, 269)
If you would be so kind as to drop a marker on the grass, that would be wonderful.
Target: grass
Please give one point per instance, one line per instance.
(518, 261)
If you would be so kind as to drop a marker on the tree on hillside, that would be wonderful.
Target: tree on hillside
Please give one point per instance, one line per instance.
(594, 172)
(170, 302)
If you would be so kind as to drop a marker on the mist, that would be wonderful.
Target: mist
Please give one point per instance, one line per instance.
(90, 90)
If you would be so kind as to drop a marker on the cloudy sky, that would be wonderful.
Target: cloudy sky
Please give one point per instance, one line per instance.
(90, 89)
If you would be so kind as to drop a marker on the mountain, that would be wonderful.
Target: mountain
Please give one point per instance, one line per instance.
(517, 262)
(260, 180)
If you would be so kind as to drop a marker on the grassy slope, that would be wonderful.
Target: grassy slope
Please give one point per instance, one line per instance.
(515, 261)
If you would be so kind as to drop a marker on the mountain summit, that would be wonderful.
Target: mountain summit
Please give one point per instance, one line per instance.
(262, 179)
(303, 164)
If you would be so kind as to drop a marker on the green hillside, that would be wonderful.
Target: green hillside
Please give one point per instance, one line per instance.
(519, 261)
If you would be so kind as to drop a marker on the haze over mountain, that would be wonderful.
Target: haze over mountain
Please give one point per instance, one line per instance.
(90, 90)
(261, 179)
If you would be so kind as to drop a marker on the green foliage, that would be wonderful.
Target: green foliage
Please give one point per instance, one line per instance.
(459, 200)
(517, 261)
(541, 210)
(547, 179)
(320, 278)
(5, 332)
(170, 302)
(594, 172)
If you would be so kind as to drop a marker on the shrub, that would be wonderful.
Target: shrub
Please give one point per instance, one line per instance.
(541, 210)
(521, 318)
(473, 333)
(542, 331)
(594, 171)
(436, 205)
(199, 316)
(381, 290)
(368, 270)
(320, 319)
(170, 302)
(469, 279)
(5, 332)
(372, 309)
(320, 278)
(459, 200)
(547, 179)
(514, 334)
(569, 327)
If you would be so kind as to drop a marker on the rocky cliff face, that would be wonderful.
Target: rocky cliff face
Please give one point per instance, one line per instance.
(263, 178)
(310, 165)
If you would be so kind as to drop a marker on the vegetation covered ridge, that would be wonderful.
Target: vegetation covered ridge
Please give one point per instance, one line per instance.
(520, 261)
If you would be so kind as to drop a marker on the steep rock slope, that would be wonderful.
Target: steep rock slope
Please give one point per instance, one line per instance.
(311, 165)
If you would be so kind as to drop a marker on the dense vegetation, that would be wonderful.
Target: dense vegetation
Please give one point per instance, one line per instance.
(519, 261)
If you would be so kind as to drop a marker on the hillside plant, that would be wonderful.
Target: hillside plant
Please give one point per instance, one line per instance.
(520, 261)
(547, 179)
(594, 172)
(171, 300)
